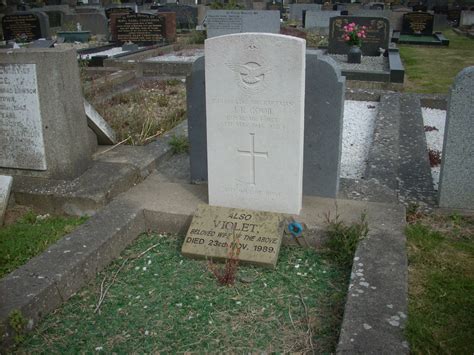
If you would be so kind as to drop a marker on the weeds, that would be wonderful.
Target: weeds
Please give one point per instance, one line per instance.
(17, 321)
(435, 157)
(226, 276)
(343, 239)
(179, 144)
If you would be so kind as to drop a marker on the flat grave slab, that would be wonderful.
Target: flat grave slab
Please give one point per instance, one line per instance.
(249, 236)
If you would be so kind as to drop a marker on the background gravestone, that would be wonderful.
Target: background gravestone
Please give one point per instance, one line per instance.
(255, 135)
(319, 20)
(44, 127)
(324, 103)
(420, 23)
(378, 34)
(140, 28)
(296, 10)
(95, 22)
(224, 22)
(186, 16)
(26, 26)
(118, 10)
(324, 111)
(457, 160)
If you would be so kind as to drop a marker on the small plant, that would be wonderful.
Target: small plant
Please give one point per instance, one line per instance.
(435, 157)
(342, 239)
(17, 321)
(179, 144)
(353, 34)
(197, 37)
(226, 276)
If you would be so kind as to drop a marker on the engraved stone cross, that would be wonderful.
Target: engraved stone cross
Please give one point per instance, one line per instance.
(253, 153)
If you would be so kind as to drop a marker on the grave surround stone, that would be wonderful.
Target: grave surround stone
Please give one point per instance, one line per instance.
(254, 137)
(224, 22)
(5, 189)
(214, 231)
(457, 160)
(25, 25)
(45, 131)
(419, 23)
(378, 34)
(324, 106)
(105, 134)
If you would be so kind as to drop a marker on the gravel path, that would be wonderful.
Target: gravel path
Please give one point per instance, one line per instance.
(434, 139)
(357, 136)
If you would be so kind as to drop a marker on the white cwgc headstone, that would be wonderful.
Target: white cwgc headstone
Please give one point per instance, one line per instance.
(105, 134)
(21, 136)
(255, 121)
(5, 188)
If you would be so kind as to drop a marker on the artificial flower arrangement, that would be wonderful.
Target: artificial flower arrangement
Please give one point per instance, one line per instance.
(353, 34)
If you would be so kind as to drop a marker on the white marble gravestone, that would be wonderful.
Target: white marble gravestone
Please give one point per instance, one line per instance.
(255, 121)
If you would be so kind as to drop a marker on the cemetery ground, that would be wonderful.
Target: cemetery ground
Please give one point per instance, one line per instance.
(441, 283)
(159, 300)
(432, 69)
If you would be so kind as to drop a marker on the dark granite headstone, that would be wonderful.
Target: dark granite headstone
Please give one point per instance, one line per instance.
(140, 28)
(118, 10)
(324, 105)
(25, 26)
(186, 16)
(378, 34)
(417, 23)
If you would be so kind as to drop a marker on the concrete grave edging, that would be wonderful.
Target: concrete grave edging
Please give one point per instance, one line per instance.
(37, 288)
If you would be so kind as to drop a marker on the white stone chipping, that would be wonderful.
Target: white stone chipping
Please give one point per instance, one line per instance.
(434, 139)
(357, 137)
(109, 53)
(188, 55)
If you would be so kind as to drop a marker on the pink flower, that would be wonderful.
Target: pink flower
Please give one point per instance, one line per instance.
(364, 27)
(359, 35)
(364, 36)
(352, 24)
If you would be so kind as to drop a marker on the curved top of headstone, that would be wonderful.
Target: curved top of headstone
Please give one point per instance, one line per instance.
(326, 61)
(465, 75)
(258, 34)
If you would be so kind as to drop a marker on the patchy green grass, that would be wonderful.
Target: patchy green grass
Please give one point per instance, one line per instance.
(30, 236)
(161, 301)
(179, 144)
(432, 69)
(441, 285)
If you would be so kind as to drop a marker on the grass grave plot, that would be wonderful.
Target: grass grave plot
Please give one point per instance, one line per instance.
(433, 69)
(158, 300)
(440, 284)
(29, 236)
(143, 113)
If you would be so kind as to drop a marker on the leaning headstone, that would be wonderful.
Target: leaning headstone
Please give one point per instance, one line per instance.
(42, 43)
(457, 160)
(372, 13)
(324, 103)
(25, 26)
(417, 23)
(105, 134)
(378, 34)
(245, 235)
(319, 20)
(296, 10)
(224, 22)
(140, 28)
(254, 135)
(44, 130)
(5, 189)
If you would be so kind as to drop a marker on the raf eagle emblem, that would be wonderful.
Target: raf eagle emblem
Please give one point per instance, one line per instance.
(251, 74)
